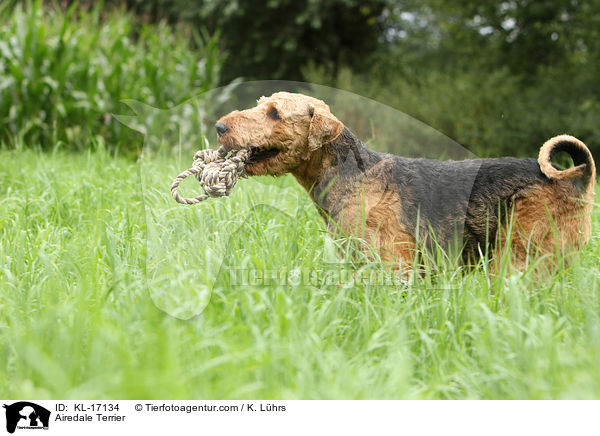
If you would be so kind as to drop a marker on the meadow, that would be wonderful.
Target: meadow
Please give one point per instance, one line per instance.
(78, 318)
(109, 289)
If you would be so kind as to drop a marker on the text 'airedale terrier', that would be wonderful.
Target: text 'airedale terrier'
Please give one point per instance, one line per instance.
(394, 203)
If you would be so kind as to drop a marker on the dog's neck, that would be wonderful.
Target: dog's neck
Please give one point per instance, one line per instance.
(341, 162)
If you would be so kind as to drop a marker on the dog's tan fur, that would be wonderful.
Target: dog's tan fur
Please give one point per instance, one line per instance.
(304, 125)
(301, 127)
(371, 214)
(546, 220)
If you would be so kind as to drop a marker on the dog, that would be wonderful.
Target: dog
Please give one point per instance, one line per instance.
(395, 203)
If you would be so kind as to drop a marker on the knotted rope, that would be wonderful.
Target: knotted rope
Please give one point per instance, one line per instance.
(216, 173)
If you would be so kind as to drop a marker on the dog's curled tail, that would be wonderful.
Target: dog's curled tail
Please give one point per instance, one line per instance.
(584, 167)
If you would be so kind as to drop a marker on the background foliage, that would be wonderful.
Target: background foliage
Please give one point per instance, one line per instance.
(62, 74)
(273, 39)
(499, 77)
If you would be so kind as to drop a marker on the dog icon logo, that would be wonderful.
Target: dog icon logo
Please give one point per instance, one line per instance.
(26, 415)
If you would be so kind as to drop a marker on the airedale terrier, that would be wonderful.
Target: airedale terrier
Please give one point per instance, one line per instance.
(394, 203)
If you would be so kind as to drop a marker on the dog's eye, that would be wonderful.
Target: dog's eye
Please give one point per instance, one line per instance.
(273, 114)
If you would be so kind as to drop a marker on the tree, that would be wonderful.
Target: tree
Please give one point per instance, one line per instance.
(274, 39)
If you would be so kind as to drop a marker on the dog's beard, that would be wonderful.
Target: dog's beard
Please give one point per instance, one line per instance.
(260, 154)
(268, 166)
(276, 165)
(264, 160)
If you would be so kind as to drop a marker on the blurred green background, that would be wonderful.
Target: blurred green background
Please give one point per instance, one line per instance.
(497, 77)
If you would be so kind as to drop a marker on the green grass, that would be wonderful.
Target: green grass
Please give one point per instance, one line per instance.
(78, 317)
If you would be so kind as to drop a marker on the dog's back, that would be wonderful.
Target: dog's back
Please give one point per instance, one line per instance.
(475, 197)
(469, 201)
(470, 196)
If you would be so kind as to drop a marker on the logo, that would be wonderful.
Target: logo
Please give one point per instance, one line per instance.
(26, 415)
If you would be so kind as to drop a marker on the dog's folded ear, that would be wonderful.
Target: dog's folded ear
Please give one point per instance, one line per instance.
(324, 127)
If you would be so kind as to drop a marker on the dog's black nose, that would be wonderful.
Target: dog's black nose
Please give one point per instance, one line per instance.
(221, 129)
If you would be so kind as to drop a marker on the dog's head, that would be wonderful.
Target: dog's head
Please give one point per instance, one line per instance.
(282, 131)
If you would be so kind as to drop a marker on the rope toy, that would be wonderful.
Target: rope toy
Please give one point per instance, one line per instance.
(216, 172)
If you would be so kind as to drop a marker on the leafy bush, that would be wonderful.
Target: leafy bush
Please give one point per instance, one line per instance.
(63, 73)
(489, 113)
(273, 39)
